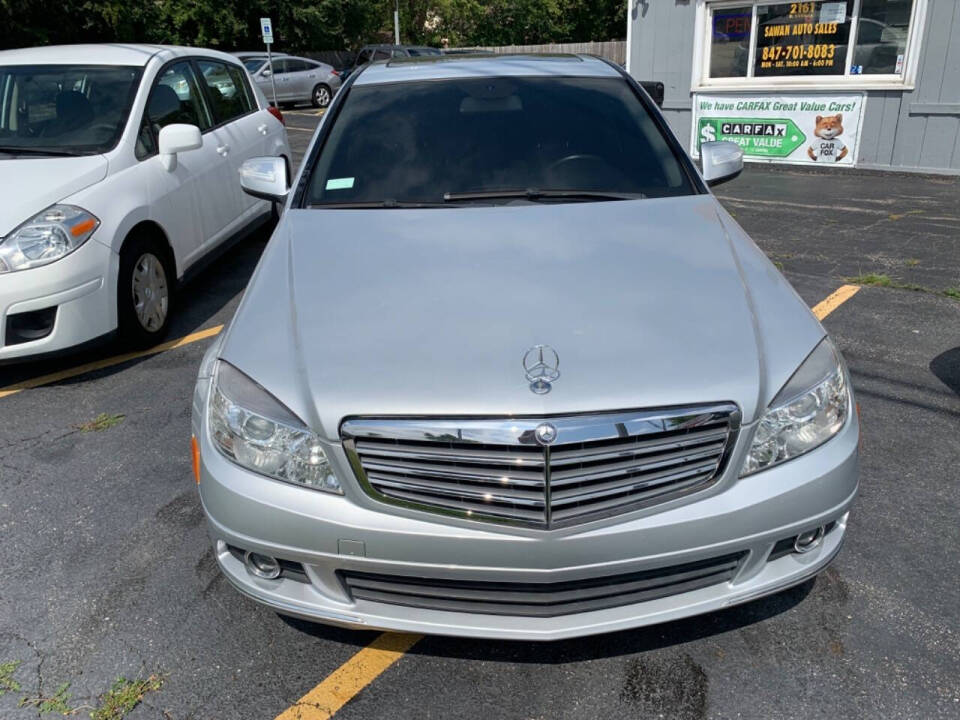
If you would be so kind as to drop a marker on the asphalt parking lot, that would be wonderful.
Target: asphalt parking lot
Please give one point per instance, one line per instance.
(108, 572)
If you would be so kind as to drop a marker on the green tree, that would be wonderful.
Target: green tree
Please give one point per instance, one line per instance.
(309, 25)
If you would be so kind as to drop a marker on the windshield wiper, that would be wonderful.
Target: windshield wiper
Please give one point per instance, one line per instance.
(375, 204)
(53, 152)
(538, 194)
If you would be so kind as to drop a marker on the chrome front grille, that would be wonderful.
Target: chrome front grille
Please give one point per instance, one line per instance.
(496, 469)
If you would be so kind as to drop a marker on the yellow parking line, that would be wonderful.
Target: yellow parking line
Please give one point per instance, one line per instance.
(107, 362)
(350, 678)
(834, 300)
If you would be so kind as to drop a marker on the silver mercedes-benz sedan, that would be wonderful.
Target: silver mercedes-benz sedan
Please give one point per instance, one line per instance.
(508, 369)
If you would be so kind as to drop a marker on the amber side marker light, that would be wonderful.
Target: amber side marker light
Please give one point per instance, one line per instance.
(195, 452)
(83, 227)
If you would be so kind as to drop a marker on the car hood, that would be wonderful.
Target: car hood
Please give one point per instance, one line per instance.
(31, 184)
(648, 303)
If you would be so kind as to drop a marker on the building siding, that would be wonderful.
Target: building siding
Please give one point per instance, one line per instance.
(902, 130)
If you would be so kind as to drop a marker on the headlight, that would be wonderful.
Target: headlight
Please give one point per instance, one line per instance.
(809, 410)
(254, 430)
(47, 237)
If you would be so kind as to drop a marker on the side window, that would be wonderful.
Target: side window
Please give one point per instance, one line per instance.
(244, 93)
(380, 55)
(296, 65)
(226, 90)
(175, 98)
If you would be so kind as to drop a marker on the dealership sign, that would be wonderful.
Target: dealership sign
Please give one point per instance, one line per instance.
(808, 129)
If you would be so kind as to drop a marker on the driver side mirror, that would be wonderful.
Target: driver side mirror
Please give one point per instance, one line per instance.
(177, 138)
(721, 160)
(266, 72)
(266, 178)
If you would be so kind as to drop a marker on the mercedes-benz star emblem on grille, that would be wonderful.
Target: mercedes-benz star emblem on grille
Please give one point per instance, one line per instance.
(542, 366)
(545, 433)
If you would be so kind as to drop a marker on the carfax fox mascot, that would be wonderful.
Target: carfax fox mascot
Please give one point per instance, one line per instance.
(828, 147)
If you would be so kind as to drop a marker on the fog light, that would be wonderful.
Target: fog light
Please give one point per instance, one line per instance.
(262, 565)
(807, 541)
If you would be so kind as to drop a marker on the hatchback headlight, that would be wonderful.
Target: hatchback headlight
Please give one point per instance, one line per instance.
(810, 409)
(46, 237)
(256, 431)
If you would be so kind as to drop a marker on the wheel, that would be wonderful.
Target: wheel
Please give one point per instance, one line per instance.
(144, 292)
(321, 96)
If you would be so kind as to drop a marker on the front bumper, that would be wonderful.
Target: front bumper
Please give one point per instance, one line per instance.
(330, 534)
(80, 286)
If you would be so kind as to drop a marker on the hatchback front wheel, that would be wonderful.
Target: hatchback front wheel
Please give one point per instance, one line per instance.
(144, 293)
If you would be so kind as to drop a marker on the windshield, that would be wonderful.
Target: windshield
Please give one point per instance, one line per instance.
(64, 109)
(442, 141)
(253, 64)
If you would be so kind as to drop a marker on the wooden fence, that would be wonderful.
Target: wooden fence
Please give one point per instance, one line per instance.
(615, 50)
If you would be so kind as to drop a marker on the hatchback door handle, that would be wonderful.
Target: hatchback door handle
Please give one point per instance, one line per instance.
(224, 150)
(263, 129)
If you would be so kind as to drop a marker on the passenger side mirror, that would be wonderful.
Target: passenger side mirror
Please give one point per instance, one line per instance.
(721, 160)
(266, 178)
(177, 138)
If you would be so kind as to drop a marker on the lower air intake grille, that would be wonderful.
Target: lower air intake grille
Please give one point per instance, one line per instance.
(500, 470)
(541, 599)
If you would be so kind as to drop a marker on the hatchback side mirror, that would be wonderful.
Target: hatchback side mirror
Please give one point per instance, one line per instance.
(266, 178)
(177, 138)
(722, 161)
(266, 73)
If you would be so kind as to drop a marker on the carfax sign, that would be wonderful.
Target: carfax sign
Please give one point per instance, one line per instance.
(803, 129)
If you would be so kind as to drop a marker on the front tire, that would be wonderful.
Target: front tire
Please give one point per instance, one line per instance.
(321, 96)
(144, 292)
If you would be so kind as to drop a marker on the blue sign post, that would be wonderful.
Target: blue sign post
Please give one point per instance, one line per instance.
(266, 29)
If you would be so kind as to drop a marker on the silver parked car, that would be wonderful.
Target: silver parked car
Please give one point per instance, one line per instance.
(508, 369)
(297, 79)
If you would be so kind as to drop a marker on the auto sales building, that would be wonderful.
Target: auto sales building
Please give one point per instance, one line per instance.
(865, 83)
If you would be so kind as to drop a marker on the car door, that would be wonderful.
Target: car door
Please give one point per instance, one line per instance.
(281, 76)
(294, 78)
(192, 202)
(311, 74)
(240, 125)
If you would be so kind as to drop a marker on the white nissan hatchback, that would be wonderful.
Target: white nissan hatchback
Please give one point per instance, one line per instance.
(119, 167)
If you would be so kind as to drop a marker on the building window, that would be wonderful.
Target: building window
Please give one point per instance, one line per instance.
(856, 43)
(730, 40)
(882, 37)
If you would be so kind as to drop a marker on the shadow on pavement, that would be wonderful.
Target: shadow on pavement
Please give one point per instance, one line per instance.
(946, 366)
